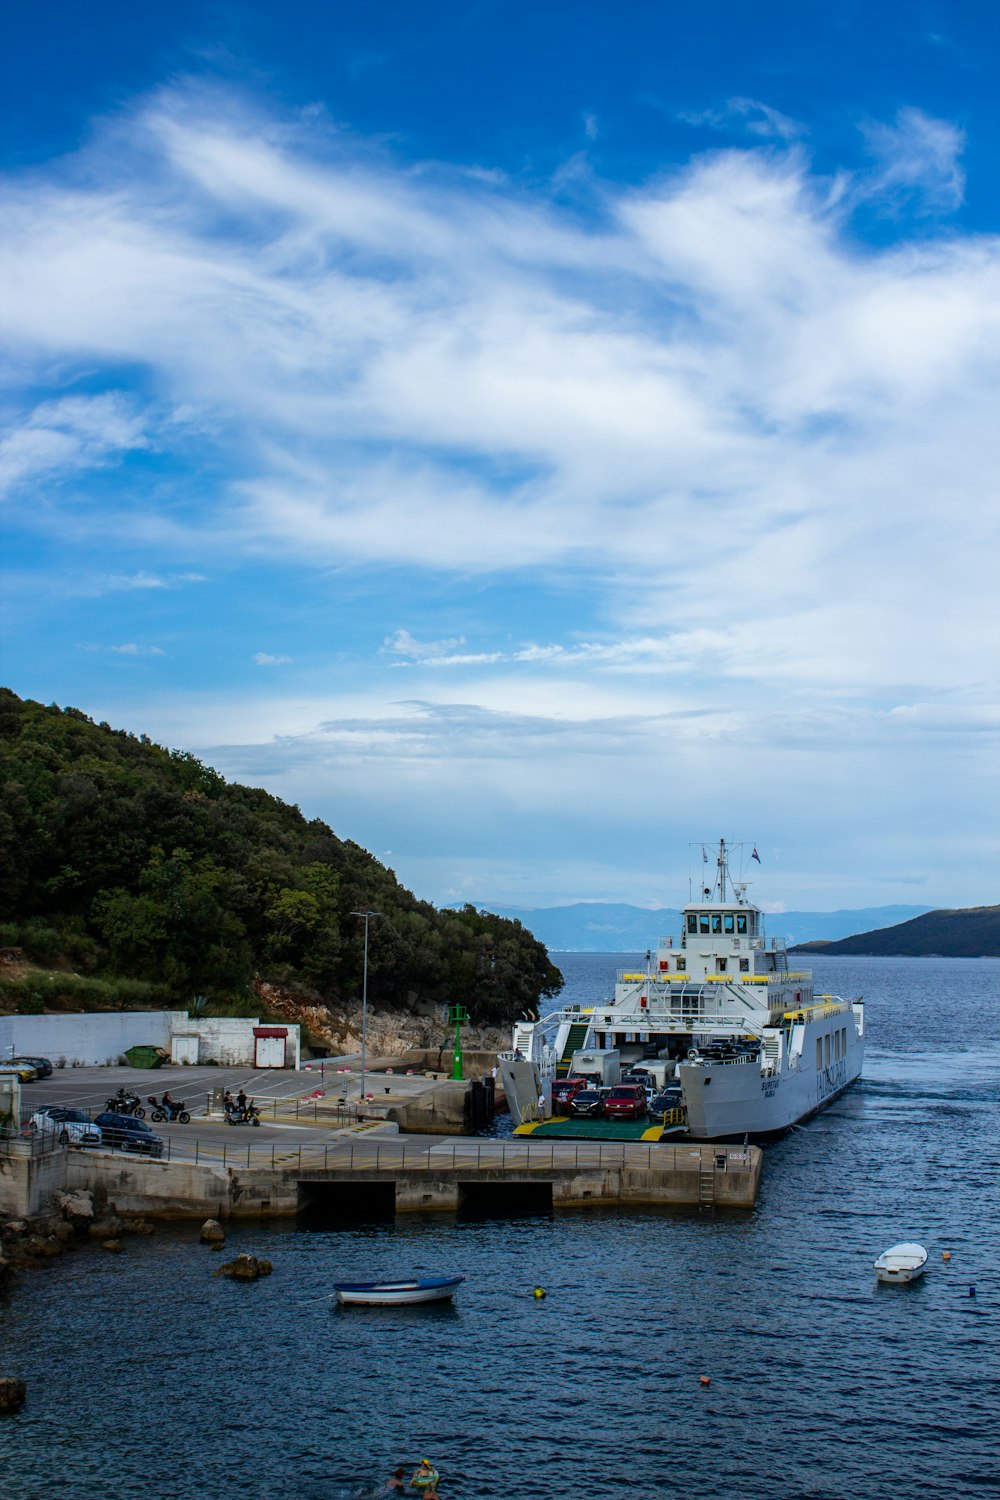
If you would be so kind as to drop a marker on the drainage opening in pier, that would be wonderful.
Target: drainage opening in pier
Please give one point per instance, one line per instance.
(322, 1203)
(503, 1200)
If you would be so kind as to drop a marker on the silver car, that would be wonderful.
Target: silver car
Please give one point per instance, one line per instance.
(72, 1127)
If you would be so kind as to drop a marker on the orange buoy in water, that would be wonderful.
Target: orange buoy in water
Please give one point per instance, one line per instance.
(946, 1255)
(704, 1380)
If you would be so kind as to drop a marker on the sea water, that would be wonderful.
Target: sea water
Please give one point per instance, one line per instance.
(149, 1378)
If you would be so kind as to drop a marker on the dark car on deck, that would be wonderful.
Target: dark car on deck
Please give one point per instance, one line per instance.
(663, 1104)
(564, 1091)
(41, 1065)
(127, 1133)
(587, 1103)
(626, 1101)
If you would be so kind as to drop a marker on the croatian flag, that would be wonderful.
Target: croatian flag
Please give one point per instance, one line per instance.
(755, 856)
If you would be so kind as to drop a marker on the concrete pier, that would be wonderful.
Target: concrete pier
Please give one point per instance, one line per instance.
(392, 1174)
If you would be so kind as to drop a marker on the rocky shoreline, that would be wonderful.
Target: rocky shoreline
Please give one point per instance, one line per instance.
(69, 1222)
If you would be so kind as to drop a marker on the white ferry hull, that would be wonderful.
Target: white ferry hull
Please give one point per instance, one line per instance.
(729, 1103)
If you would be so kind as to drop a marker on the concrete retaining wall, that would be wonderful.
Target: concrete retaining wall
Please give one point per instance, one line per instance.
(94, 1038)
(101, 1037)
(176, 1189)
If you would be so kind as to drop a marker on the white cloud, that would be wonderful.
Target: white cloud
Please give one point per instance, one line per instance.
(749, 115)
(131, 649)
(267, 659)
(63, 436)
(916, 162)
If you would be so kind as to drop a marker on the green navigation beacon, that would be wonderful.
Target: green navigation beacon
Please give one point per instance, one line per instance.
(456, 1015)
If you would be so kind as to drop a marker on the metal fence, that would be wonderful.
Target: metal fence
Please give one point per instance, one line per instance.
(405, 1154)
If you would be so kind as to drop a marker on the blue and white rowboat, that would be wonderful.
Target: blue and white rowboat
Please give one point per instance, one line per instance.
(393, 1293)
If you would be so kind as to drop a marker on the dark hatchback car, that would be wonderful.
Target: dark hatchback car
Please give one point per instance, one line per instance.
(587, 1102)
(661, 1106)
(129, 1134)
(41, 1065)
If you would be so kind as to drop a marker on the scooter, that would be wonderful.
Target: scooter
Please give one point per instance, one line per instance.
(126, 1103)
(175, 1110)
(248, 1115)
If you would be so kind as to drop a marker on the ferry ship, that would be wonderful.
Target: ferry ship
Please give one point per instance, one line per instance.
(747, 1044)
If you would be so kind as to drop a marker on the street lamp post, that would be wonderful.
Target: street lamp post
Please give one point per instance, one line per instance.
(364, 1000)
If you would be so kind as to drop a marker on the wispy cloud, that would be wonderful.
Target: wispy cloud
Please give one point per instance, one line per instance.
(749, 116)
(917, 163)
(62, 437)
(268, 659)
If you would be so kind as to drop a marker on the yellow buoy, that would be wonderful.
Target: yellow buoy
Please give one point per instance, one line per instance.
(539, 1291)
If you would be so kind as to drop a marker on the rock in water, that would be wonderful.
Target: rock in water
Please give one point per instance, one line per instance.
(244, 1268)
(13, 1393)
(212, 1233)
(77, 1207)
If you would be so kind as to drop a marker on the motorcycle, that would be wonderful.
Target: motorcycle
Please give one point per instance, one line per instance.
(126, 1103)
(174, 1110)
(248, 1115)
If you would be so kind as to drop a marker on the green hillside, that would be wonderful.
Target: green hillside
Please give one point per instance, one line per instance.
(972, 932)
(143, 869)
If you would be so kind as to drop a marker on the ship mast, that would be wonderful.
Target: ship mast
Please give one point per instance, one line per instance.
(723, 869)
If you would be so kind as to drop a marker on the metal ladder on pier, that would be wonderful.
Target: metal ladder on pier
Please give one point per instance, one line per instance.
(706, 1183)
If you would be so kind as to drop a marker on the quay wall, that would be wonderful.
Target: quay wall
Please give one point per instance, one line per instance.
(187, 1189)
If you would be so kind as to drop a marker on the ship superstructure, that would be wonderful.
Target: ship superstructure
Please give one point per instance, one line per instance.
(750, 1045)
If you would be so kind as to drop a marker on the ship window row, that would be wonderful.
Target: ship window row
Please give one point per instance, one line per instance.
(831, 1048)
(727, 921)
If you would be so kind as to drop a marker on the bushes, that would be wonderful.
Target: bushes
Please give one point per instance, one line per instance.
(36, 993)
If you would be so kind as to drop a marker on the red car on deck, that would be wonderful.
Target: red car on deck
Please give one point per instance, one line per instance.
(564, 1091)
(626, 1101)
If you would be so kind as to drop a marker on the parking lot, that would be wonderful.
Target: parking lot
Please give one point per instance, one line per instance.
(299, 1110)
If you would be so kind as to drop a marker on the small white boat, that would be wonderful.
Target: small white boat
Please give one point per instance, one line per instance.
(397, 1293)
(901, 1263)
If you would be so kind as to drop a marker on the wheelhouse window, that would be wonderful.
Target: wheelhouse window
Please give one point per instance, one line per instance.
(728, 922)
(741, 921)
(703, 922)
(692, 923)
(716, 924)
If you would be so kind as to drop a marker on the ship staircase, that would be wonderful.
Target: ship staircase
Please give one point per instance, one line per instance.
(575, 1039)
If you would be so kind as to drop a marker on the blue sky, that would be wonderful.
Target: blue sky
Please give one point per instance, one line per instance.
(530, 438)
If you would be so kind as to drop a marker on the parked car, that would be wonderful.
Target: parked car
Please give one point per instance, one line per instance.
(41, 1065)
(69, 1126)
(587, 1102)
(129, 1134)
(663, 1104)
(22, 1070)
(626, 1101)
(563, 1093)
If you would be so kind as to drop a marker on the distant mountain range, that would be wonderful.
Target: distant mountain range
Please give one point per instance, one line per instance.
(972, 932)
(609, 927)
